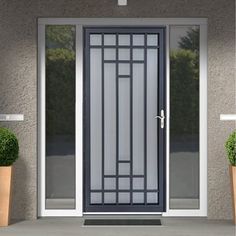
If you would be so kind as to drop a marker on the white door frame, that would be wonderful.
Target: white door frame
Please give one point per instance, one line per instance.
(80, 22)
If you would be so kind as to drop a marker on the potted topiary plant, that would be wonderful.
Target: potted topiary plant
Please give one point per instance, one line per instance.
(231, 153)
(9, 150)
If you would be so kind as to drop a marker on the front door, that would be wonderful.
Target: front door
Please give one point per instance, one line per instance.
(124, 119)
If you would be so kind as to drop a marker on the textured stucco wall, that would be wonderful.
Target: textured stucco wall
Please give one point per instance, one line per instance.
(18, 80)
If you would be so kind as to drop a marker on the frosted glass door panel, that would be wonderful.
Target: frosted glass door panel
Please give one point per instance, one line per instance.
(124, 69)
(95, 39)
(138, 54)
(124, 119)
(109, 39)
(109, 54)
(110, 118)
(124, 39)
(152, 40)
(124, 168)
(138, 121)
(110, 183)
(152, 110)
(96, 117)
(138, 40)
(124, 54)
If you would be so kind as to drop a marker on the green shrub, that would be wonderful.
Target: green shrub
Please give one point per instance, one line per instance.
(230, 146)
(9, 148)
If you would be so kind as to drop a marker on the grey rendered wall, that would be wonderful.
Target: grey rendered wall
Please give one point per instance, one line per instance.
(18, 81)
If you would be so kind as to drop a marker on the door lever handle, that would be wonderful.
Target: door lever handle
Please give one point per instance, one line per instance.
(162, 118)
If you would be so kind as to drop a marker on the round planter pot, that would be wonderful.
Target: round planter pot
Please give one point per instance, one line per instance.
(232, 170)
(5, 194)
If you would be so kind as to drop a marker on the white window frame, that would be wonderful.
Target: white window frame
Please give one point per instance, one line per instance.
(80, 23)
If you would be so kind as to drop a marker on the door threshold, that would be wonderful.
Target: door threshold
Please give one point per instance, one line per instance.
(121, 214)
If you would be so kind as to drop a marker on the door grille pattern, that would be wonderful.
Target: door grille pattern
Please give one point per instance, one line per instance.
(124, 145)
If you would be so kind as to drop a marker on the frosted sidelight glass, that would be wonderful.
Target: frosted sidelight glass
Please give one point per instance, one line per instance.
(60, 117)
(96, 118)
(152, 104)
(138, 119)
(124, 119)
(109, 118)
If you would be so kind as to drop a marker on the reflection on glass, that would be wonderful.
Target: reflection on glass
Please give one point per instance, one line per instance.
(184, 118)
(60, 117)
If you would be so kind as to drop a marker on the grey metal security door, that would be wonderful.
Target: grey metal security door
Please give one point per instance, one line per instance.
(124, 117)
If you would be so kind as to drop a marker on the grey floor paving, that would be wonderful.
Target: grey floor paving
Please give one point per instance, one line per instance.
(74, 227)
